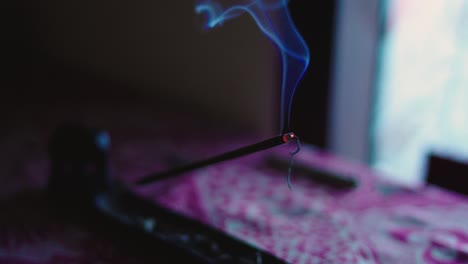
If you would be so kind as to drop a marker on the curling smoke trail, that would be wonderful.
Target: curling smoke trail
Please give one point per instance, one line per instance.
(274, 20)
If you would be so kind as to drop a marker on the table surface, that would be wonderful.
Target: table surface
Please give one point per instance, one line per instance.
(377, 222)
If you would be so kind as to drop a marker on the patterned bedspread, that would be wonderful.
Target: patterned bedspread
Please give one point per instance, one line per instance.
(377, 222)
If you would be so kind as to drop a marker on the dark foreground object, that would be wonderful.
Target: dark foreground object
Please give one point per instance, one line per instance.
(448, 173)
(83, 192)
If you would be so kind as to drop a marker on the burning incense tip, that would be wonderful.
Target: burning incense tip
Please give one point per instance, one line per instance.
(289, 137)
(263, 145)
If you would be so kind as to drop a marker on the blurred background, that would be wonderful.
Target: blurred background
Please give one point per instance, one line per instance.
(386, 85)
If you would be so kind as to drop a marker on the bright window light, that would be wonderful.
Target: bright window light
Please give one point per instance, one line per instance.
(422, 89)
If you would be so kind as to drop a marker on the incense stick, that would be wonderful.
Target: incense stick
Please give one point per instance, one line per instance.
(263, 145)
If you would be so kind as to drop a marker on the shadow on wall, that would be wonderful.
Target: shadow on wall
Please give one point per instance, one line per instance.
(161, 49)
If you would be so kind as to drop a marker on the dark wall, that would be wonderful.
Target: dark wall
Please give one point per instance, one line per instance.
(315, 21)
(160, 51)
(17, 38)
(103, 43)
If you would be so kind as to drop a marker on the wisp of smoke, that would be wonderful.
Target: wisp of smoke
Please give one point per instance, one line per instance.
(274, 20)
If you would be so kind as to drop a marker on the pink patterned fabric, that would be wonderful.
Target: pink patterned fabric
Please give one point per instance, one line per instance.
(378, 222)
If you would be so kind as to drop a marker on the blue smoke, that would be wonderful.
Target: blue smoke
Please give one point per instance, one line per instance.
(274, 20)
